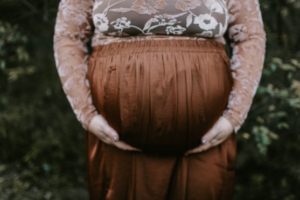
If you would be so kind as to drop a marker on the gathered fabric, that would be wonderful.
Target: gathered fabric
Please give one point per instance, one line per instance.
(160, 96)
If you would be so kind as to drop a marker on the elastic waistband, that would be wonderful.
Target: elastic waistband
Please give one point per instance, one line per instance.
(158, 46)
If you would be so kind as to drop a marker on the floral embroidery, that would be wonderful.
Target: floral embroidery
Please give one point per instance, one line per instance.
(101, 22)
(121, 23)
(206, 34)
(148, 6)
(233, 7)
(236, 61)
(144, 7)
(162, 20)
(206, 22)
(238, 32)
(178, 30)
(213, 6)
(185, 5)
(158, 20)
(97, 4)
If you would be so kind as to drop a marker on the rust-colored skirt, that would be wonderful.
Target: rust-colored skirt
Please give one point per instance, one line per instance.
(161, 97)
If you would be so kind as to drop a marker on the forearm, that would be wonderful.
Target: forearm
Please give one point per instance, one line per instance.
(248, 39)
(72, 31)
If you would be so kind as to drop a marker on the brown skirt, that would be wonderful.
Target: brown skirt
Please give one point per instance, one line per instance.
(161, 97)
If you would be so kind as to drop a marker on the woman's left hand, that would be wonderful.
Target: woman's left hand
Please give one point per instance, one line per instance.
(216, 135)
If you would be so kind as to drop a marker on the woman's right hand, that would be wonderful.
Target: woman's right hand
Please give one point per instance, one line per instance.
(107, 134)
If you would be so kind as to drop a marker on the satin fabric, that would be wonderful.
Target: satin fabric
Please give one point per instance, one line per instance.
(161, 97)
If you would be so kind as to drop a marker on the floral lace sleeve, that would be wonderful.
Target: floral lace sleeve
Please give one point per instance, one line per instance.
(73, 30)
(247, 38)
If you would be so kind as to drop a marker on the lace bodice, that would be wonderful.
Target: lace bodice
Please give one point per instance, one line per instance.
(108, 21)
(202, 18)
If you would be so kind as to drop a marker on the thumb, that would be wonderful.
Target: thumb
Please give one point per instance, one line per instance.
(211, 133)
(108, 130)
(111, 133)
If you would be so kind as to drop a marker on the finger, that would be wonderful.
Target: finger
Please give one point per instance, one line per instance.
(104, 137)
(106, 141)
(210, 135)
(213, 131)
(127, 147)
(124, 146)
(203, 147)
(110, 132)
(214, 136)
(218, 139)
(198, 149)
(216, 142)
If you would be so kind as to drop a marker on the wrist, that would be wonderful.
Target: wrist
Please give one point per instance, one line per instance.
(89, 120)
(234, 123)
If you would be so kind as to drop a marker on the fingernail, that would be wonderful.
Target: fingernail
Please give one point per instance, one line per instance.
(115, 138)
(203, 140)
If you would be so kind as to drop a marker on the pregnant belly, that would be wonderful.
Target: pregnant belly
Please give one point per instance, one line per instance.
(162, 104)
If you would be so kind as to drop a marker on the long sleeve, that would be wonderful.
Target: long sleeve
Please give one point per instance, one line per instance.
(73, 29)
(247, 38)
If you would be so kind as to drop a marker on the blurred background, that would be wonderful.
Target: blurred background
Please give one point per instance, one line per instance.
(42, 154)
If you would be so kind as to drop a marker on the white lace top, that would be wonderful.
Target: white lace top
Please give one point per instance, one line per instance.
(108, 21)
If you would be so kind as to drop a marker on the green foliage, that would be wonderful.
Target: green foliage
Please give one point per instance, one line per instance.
(288, 96)
(270, 171)
(13, 52)
(42, 153)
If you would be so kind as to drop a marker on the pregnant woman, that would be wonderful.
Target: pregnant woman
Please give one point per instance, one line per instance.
(159, 99)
